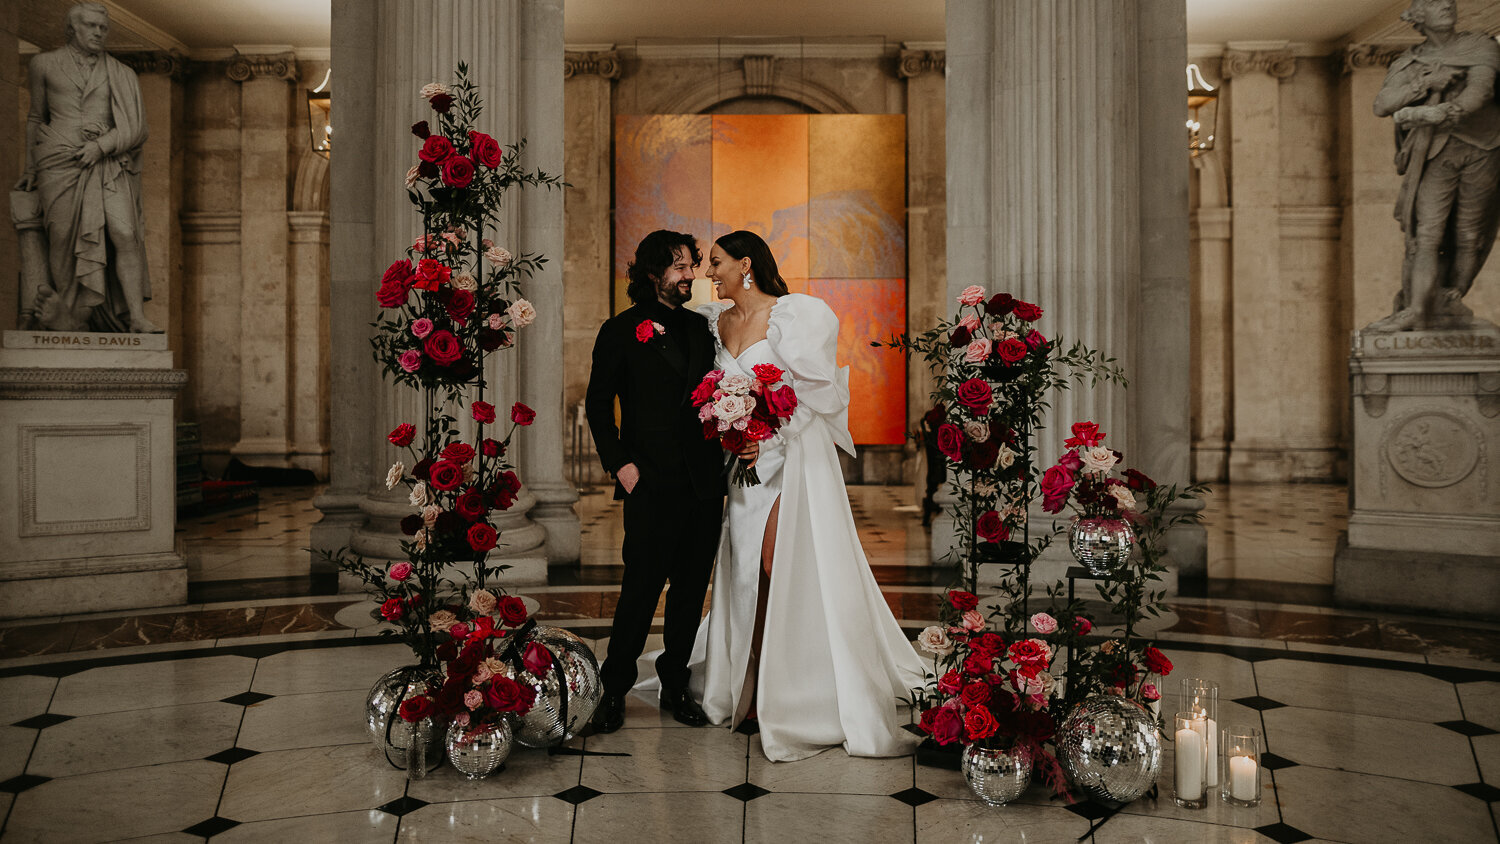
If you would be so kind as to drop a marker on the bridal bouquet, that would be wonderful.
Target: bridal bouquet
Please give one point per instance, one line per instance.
(737, 410)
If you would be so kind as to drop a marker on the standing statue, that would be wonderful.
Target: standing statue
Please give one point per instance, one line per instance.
(82, 187)
(1442, 94)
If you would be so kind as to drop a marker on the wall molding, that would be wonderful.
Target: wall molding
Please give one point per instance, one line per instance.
(917, 62)
(605, 63)
(245, 67)
(202, 228)
(37, 382)
(1311, 222)
(30, 525)
(1280, 64)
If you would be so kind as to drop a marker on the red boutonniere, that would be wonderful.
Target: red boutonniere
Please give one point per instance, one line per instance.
(648, 329)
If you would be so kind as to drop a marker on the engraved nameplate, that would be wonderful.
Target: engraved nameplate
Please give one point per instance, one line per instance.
(85, 340)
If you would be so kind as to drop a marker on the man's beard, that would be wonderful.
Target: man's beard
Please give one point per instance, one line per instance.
(671, 294)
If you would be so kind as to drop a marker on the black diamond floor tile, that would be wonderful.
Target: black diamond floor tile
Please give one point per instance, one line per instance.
(232, 755)
(211, 827)
(402, 806)
(1282, 834)
(1275, 763)
(1258, 703)
(577, 794)
(1483, 790)
(747, 791)
(914, 796)
(247, 698)
(18, 784)
(1466, 727)
(1089, 809)
(43, 721)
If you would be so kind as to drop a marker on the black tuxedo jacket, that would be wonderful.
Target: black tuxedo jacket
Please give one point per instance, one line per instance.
(659, 429)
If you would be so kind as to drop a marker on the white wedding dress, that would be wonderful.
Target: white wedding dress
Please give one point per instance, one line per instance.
(833, 660)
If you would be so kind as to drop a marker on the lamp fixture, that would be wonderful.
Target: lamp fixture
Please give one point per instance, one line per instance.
(1200, 95)
(320, 117)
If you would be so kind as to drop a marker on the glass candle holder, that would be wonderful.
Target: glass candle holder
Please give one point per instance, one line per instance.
(1190, 780)
(1240, 774)
(1202, 697)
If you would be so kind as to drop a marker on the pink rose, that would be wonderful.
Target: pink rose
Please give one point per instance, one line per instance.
(458, 630)
(400, 571)
(977, 350)
(410, 360)
(1149, 692)
(1081, 625)
(1044, 623)
(973, 620)
(947, 725)
(1057, 482)
(971, 295)
(1034, 339)
(473, 698)
(421, 328)
(970, 322)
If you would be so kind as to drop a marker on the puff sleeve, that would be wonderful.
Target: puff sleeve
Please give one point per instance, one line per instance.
(804, 331)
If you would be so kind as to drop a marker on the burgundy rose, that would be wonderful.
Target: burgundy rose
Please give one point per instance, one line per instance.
(975, 394)
(491, 339)
(983, 455)
(470, 505)
(1035, 340)
(458, 171)
(506, 695)
(458, 452)
(512, 611)
(1000, 304)
(491, 448)
(483, 412)
(935, 416)
(732, 440)
(504, 489)
(482, 537)
(435, 149)
(421, 130)
(961, 600)
(521, 414)
(460, 304)
(1056, 483)
(1027, 311)
(975, 694)
(950, 441)
(1011, 350)
(441, 103)
(427, 170)
(989, 643)
(423, 470)
(960, 337)
(443, 347)
(391, 295)
(447, 475)
(991, 528)
(1070, 461)
(402, 435)
(411, 524)
(980, 723)
(484, 149)
(1138, 481)
(449, 522)
(414, 709)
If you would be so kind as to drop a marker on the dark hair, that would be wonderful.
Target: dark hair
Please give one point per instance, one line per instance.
(653, 256)
(762, 263)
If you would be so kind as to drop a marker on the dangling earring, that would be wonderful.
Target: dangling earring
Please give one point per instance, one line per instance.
(747, 281)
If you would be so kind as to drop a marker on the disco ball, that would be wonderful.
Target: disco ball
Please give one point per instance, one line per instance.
(1110, 748)
(566, 693)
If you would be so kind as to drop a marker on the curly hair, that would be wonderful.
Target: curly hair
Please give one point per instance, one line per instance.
(740, 244)
(653, 256)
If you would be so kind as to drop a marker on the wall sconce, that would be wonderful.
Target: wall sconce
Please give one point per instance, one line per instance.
(320, 117)
(1200, 95)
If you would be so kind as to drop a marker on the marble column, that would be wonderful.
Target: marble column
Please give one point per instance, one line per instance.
(1257, 451)
(1066, 165)
(266, 85)
(308, 269)
(1371, 243)
(395, 47)
(1213, 344)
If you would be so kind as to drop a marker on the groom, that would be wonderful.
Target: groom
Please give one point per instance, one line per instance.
(651, 357)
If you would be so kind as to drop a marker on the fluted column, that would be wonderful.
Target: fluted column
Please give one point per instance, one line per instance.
(1067, 186)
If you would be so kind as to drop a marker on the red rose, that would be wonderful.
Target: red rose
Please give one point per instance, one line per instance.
(1081, 625)
(435, 149)
(414, 709)
(1056, 483)
(645, 331)
(484, 149)
(732, 440)
(950, 683)
(392, 609)
(443, 347)
(402, 435)
(458, 171)
(391, 295)
(1011, 350)
(989, 643)
(431, 274)
(481, 536)
(441, 103)
(1138, 480)
(1084, 434)
(1029, 652)
(458, 452)
(398, 273)
(975, 694)
(960, 337)
(978, 664)
(446, 475)
(1035, 340)
(421, 130)
(758, 431)
(483, 412)
(505, 488)
(950, 441)
(767, 373)
(946, 726)
(962, 601)
(491, 448)
(991, 528)
(975, 394)
(512, 610)
(521, 414)
(1027, 311)
(460, 304)
(935, 416)
(1000, 304)
(980, 724)
(470, 505)
(537, 658)
(703, 393)
(1157, 662)
(506, 695)
(780, 402)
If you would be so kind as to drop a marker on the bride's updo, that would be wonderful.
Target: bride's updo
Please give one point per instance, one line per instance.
(740, 244)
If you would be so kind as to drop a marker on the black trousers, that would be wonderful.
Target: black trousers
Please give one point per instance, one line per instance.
(670, 535)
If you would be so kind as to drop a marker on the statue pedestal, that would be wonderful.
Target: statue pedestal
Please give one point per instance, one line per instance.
(88, 502)
(1424, 522)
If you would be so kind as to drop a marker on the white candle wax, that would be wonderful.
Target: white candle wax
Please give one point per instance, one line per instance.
(1244, 778)
(1211, 756)
(1189, 764)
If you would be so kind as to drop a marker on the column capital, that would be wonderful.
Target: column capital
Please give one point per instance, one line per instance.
(760, 71)
(1280, 64)
(243, 68)
(1363, 56)
(165, 62)
(605, 63)
(917, 62)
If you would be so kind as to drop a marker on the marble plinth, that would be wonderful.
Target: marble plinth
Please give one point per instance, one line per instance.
(88, 505)
(1424, 491)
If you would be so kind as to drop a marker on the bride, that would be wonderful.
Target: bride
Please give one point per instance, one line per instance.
(798, 634)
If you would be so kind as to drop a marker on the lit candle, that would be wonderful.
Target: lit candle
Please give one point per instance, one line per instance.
(1190, 763)
(1244, 778)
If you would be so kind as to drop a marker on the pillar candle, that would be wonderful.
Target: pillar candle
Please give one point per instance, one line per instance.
(1190, 764)
(1244, 778)
(1208, 730)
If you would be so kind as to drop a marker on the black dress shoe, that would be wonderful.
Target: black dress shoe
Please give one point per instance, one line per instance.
(610, 715)
(680, 703)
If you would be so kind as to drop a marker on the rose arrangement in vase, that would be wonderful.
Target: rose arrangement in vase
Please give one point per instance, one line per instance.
(478, 687)
(452, 299)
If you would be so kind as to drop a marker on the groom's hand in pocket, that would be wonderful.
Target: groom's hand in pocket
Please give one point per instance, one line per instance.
(628, 476)
(750, 453)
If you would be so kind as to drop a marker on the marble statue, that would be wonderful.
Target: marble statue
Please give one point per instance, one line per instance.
(1442, 95)
(81, 189)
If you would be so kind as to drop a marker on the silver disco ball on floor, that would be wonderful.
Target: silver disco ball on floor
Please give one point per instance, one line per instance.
(1109, 748)
(401, 741)
(566, 693)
